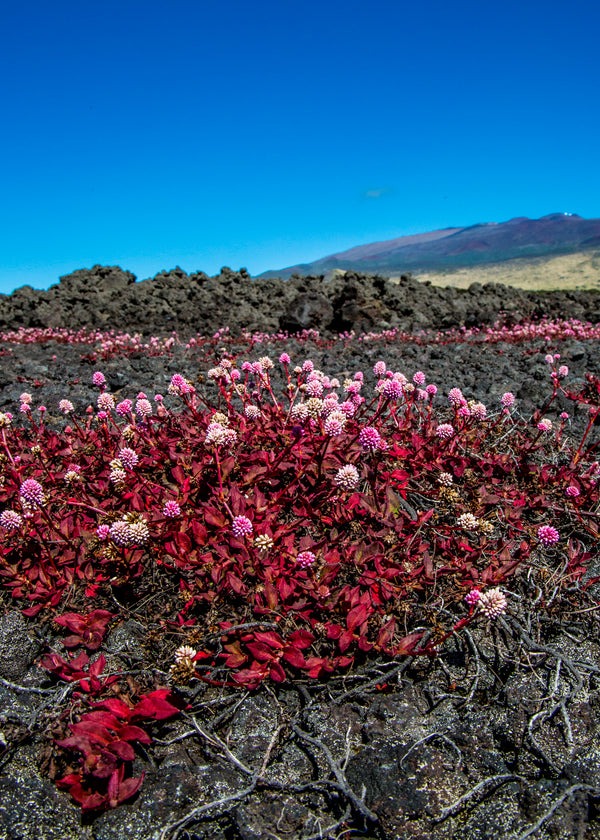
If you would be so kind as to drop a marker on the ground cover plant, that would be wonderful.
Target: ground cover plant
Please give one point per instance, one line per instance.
(273, 525)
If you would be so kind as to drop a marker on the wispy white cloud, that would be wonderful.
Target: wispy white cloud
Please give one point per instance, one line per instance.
(378, 192)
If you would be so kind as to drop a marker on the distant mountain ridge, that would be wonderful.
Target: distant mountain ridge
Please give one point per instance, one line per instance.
(459, 247)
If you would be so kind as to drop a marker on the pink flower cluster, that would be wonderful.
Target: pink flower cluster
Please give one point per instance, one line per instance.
(305, 559)
(492, 603)
(370, 439)
(10, 520)
(32, 493)
(171, 509)
(445, 431)
(346, 477)
(129, 533)
(548, 535)
(128, 457)
(241, 526)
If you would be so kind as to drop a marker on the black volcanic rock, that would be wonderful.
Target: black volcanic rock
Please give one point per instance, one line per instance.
(107, 297)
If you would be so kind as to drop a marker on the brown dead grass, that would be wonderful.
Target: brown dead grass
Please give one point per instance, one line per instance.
(570, 272)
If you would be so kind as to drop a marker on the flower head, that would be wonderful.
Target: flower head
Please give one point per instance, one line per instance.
(171, 509)
(143, 407)
(346, 477)
(507, 399)
(492, 603)
(392, 389)
(545, 425)
(124, 408)
(241, 526)
(32, 493)
(263, 542)
(548, 535)
(65, 406)
(478, 411)
(105, 402)
(99, 379)
(185, 654)
(468, 522)
(305, 558)
(455, 396)
(103, 532)
(472, 597)
(419, 378)
(10, 520)
(370, 439)
(445, 431)
(128, 457)
(572, 491)
(130, 531)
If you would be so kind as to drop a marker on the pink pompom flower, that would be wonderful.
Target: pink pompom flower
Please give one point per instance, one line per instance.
(305, 559)
(472, 597)
(445, 431)
(124, 408)
(171, 509)
(548, 535)
(32, 492)
(128, 457)
(492, 603)
(370, 439)
(241, 526)
(103, 532)
(10, 520)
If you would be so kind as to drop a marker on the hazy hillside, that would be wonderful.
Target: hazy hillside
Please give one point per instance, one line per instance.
(457, 248)
(572, 272)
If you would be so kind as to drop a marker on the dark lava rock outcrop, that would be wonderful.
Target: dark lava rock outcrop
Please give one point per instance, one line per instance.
(107, 297)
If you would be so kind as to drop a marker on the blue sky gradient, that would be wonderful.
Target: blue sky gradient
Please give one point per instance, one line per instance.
(153, 134)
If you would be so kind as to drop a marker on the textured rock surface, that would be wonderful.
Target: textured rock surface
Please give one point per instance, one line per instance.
(106, 297)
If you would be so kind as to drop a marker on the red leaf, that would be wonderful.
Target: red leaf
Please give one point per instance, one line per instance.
(123, 750)
(260, 651)
(356, 616)
(113, 704)
(294, 657)
(129, 787)
(214, 517)
(199, 532)
(235, 583)
(134, 733)
(277, 673)
(386, 634)
(269, 638)
(271, 596)
(155, 706)
(409, 642)
(302, 639)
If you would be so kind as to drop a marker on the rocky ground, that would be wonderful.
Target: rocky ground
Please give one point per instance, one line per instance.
(498, 738)
(106, 297)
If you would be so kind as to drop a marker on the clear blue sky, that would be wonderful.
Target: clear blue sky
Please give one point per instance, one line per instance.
(262, 134)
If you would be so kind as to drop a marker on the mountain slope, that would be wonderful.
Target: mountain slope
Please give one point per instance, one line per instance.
(557, 233)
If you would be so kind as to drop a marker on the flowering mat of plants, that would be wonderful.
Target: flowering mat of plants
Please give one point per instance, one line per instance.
(280, 601)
